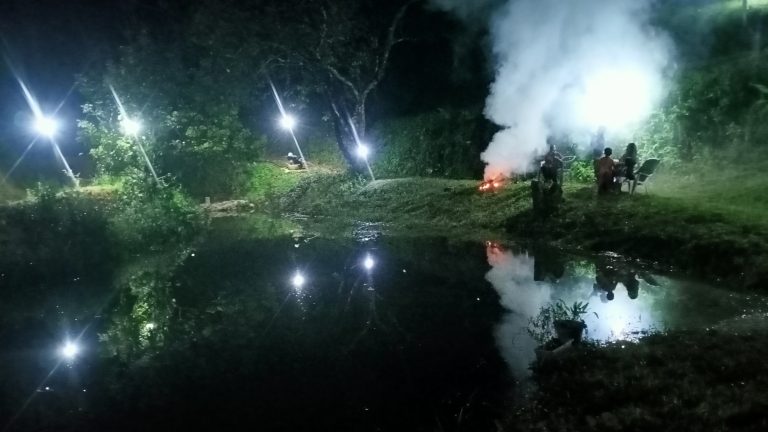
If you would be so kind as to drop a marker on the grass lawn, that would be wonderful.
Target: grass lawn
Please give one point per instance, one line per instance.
(740, 196)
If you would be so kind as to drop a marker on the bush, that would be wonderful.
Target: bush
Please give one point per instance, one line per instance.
(149, 215)
(440, 144)
(582, 171)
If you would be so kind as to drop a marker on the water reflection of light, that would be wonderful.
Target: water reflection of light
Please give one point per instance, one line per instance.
(512, 276)
(70, 350)
(298, 280)
(368, 262)
(622, 317)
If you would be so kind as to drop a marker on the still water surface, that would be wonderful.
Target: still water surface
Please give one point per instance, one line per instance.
(314, 334)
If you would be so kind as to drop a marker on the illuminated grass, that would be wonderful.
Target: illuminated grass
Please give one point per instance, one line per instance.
(695, 234)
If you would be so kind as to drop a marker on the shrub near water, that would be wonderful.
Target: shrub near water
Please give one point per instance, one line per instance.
(152, 215)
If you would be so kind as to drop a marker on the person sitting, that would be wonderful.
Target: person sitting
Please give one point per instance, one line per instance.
(628, 162)
(605, 281)
(294, 162)
(606, 172)
(552, 165)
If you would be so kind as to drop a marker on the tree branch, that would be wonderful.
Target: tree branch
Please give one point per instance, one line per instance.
(323, 32)
(381, 63)
(343, 80)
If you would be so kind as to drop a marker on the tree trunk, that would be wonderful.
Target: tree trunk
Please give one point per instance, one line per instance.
(360, 119)
(345, 136)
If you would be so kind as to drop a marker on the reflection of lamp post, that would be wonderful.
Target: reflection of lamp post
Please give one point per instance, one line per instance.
(363, 151)
(70, 350)
(298, 280)
(369, 262)
(48, 127)
(131, 128)
(288, 122)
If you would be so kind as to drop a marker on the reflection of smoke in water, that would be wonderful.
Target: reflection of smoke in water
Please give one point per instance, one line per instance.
(512, 277)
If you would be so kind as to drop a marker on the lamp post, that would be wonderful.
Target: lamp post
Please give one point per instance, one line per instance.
(363, 151)
(131, 128)
(48, 127)
(288, 122)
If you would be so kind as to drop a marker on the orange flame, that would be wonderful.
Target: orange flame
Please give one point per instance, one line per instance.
(492, 184)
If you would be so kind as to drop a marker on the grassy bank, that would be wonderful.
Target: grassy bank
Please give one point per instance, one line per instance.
(408, 206)
(680, 381)
(703, 226)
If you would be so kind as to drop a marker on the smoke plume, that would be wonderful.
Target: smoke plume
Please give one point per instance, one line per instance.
(567, 68)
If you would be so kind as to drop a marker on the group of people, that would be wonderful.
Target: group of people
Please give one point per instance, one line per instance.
(608, 277)
(608, 171)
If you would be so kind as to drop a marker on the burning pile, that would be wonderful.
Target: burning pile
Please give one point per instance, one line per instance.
(493, 184)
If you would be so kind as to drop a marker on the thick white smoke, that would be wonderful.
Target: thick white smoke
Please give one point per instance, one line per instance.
(568, 67)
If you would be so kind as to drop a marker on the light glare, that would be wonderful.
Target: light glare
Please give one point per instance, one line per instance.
(46, 126)
(363, 151)
(368, 262)
(130, 127)
(287, 122)
(298, 280)
(70, 350)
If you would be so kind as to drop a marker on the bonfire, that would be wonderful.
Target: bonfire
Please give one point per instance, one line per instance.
(493, 184)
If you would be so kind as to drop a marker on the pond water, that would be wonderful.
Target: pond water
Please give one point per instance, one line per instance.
(314, 334)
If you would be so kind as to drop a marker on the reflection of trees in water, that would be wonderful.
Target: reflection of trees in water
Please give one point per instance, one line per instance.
(393, 348)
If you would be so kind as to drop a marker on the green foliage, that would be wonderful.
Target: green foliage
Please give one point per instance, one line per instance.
(441, 144)
(149, 215)
(721, 105)
(658, 138)
(542, 326)
(582, 171)
(191, 117)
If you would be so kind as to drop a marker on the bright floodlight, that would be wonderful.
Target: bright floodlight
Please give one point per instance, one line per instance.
(46, 126)
(130, 127)
(287, 122)
(363, 151)
(368, 262)
(69, 350)
(298, 280)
